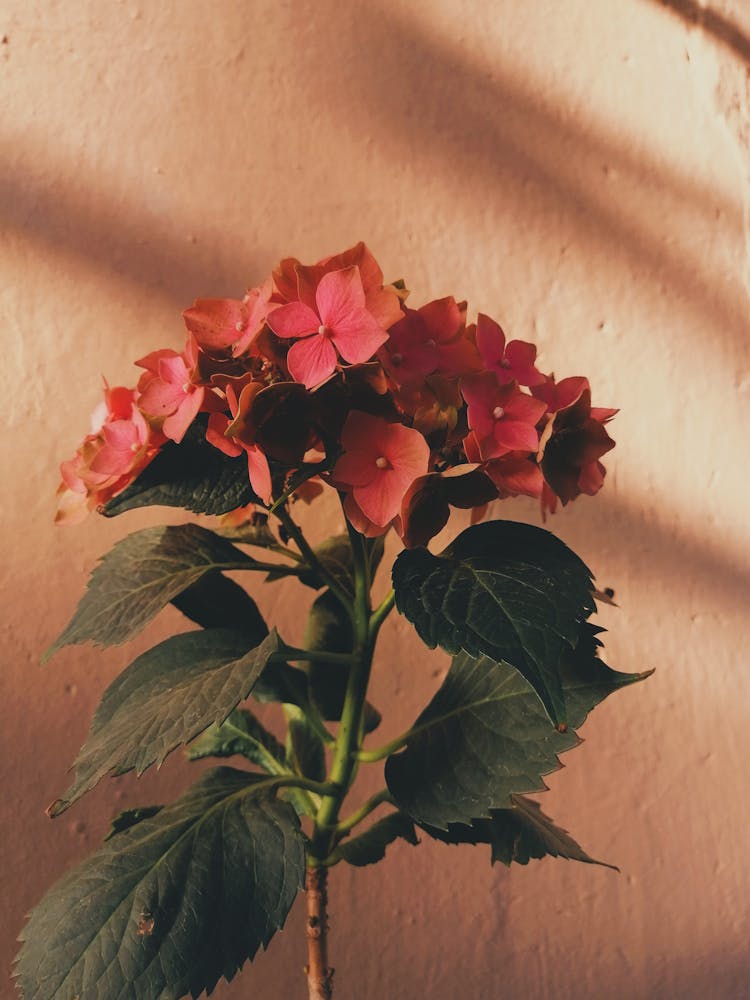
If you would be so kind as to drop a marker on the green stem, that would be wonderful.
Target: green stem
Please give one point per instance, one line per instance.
(312, 560)
(373, 756)
(280, 569)
(314, 656)
(382, 611)
(364, 811)
(307, 784)
(344, 763)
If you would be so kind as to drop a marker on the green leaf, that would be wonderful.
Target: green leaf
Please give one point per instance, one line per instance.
(329, 628)
(505, 590)
(215, 601)
(164, 699)
(172, 904)
(305, 752)
(370, 847)
(192, 474)
(142, 574)
(282, 684)
(240, 733)
(129, 817)
(255, 532)
(517, 834)
(485, 736)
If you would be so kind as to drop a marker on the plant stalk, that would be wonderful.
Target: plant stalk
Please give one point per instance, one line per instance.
(319, 973)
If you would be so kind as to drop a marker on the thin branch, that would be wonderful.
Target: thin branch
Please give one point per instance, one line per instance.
(364, 811)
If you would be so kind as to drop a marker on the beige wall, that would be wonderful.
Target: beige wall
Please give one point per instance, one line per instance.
(579, 168)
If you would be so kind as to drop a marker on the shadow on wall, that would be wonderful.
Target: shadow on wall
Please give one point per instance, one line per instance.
(712, 22)
(80, 218)
(432, 106)
(437, 110)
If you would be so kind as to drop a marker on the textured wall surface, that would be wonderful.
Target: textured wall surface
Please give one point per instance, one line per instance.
(580, 170)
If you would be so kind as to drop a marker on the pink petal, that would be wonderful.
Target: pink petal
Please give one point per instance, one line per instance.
(355, 468)
(293, 320)
(214, 322)
(358, 520)
(591, 478)
(521, 357)
(175, 426)
(384, 305)
(151, 361)
(380, 500)
(159, 398)
(443, 318)
(358, 342)
(259, 472)
(512, 435)
(516, 476)
(340, 297)
(358, 430)
(522, 407)
(490, 341)
(217, 425)
(406, 450)
(311, 360)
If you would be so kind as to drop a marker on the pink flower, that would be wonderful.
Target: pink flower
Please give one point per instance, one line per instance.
(427, 340)
(299, 282)
(502, 417)
(221, 325)
(572, 442)
(339, 322)
(168, 396)
(379, 463)
(514, 362)
(120, 445)
(220, 434)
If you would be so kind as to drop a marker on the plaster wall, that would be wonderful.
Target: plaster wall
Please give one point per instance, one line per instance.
(578, 169)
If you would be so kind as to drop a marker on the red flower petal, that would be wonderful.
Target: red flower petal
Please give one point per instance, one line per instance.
(293, 320)
(311, 360)
(355, 468)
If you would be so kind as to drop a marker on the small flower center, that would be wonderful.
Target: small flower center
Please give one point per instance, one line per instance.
(135, 447)
(325, 331)
(239, 326)
(498, 413)
(186, 387)
(397, 358)
(382, 462)
(505, 363)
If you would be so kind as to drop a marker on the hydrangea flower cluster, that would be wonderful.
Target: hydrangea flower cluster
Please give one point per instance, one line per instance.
(324, 368)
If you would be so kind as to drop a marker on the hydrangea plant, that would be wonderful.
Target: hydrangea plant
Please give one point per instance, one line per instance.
(322, 378)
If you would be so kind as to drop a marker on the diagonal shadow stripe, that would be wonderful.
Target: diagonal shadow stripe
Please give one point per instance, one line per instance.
(711, 21)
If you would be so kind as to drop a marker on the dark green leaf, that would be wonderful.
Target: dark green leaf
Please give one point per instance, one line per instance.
(305, 752)
(164, 699)
(281, 683)
(215, 601)
(130, 817)
(254, 532)
(240, 733)
(335, 554)
(192, 474)
(505, 590)
(369, 847)
(140, 575)
(517, 834)
(169, 906)
(329, 628)
(485, 736)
